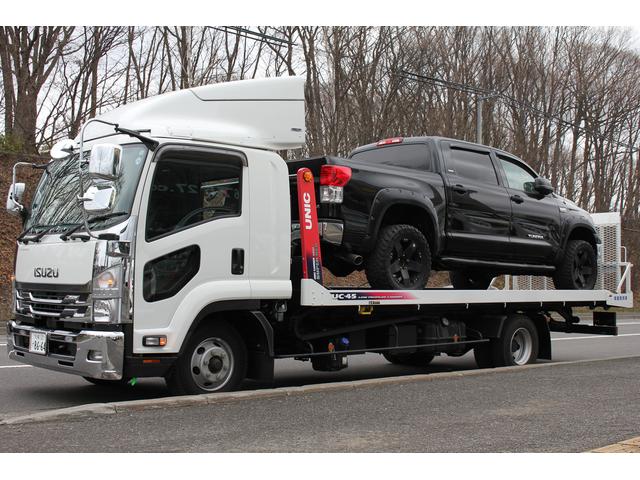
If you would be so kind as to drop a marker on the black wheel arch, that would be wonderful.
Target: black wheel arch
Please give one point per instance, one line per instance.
(252, 325)
(580, 231)
(398, 206)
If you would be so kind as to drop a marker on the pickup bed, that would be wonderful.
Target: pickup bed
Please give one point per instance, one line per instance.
(406, 206)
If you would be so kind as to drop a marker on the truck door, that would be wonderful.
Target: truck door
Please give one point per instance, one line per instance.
(193, 232)
(535, 223)
(478, 207)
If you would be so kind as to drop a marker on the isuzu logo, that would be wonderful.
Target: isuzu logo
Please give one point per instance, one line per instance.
(45, 272)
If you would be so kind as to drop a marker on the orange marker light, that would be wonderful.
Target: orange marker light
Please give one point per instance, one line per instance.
(308, 176)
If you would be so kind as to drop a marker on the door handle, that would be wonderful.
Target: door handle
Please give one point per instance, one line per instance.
(237, 261)
(460, 189)
(517, 199)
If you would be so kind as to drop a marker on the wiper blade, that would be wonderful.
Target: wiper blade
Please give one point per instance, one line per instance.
(152, 144)
(37, 237)
(78, 226)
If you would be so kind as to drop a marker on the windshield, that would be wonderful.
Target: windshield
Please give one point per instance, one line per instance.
(55, 205)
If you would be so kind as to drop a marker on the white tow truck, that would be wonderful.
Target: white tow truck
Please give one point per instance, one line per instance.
(160, 243)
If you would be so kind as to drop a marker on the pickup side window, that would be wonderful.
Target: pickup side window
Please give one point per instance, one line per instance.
(518, 177)
(413, 156)
(472, 165)
(190, 189)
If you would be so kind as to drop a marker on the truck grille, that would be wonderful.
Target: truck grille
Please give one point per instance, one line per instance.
(53, 305)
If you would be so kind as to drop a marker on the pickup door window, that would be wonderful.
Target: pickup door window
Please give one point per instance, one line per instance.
(478, 208)
(535, 234)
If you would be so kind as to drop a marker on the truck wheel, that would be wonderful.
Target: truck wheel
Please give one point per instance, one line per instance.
(101, 382)
(464, 280)
(518, 343)
(483, 355)
(416, 359)
(401, 259)
(214, 360)
(579, 267)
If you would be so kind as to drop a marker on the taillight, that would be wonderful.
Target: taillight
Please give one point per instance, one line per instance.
(389, 141)
(333, 178)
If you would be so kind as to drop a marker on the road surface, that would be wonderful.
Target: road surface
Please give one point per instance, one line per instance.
(24, 389)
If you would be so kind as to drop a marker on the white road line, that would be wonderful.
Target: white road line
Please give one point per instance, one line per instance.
(628, 323)
(3, 344)
(16, 366)
(597, 336)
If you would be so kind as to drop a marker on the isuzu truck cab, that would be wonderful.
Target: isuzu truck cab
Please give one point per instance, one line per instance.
(160, 242)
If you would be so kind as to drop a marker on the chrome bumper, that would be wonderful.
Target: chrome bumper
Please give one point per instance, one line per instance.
(87, 353)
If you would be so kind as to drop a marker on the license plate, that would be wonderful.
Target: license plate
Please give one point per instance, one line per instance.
(38, 343)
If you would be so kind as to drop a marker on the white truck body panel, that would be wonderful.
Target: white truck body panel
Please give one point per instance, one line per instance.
(265, 113)
(263, 230)
(60, 263)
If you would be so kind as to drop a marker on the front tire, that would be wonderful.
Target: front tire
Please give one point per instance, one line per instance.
(214, 360)
(401, 259)
(579, 267)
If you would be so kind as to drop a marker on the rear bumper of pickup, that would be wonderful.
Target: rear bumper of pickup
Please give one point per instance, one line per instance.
(93, 354)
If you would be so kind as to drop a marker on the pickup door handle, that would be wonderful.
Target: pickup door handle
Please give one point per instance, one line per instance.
(460, 189)
(517, 199)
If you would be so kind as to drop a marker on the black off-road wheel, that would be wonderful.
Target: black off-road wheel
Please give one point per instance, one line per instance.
(466, 280)
(416, 359)
(401, 259)
(579, 267)
(214, 360)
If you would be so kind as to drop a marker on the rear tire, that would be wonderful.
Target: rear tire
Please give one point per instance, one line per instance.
(579, 267)
(416, 359)
(483, 355)
(466, 280)
(518, 343)
(214, 360)
(401, 259)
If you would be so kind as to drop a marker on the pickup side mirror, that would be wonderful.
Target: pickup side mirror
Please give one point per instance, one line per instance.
(543, 186)
(104, 162)
(98, 198)
(14, 198)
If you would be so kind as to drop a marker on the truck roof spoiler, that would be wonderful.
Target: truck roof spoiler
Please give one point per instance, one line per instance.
(263, 113)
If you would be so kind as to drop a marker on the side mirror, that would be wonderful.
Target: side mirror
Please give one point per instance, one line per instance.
(543, 186)
(104, 162)
(62, 149)
(14, 198)
(99, 198)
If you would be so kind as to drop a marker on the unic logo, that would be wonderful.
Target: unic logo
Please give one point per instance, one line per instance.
(45, 272)
(306, 200)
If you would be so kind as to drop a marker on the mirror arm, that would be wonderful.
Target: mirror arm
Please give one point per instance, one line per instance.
(80, 183)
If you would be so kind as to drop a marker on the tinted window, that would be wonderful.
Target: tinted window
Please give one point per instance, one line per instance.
(472, 165)
(188, 190)
(517, 176)
(415, 157)
(165, 276)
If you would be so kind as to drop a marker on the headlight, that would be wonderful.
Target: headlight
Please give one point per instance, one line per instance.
(107, 283)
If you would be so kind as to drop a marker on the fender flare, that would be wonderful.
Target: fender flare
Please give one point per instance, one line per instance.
(389, 197)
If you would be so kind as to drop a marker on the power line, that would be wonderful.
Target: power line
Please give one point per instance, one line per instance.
(510, 100)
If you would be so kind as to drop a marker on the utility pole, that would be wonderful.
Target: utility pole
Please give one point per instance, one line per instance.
(479, 103)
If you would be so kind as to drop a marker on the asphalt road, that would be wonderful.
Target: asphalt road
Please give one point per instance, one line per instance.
(24, 389)
(556, 408)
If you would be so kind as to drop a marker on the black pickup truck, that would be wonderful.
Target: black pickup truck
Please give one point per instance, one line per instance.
(402, 207)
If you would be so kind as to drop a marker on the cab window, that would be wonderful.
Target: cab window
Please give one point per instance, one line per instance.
(192, 188)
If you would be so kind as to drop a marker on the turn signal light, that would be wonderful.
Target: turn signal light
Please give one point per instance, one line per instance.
(155, 341)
